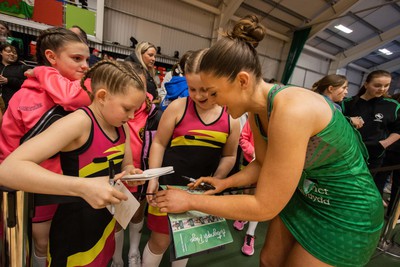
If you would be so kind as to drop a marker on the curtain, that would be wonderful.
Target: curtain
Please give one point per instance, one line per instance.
(299, 39)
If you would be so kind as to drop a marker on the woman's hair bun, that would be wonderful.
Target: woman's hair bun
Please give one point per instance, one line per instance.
(249, 30)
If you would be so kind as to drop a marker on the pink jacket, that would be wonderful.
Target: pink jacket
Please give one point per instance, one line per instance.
(246, 142)
(37, 95)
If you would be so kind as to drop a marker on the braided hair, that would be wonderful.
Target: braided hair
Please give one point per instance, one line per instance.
(115, 76)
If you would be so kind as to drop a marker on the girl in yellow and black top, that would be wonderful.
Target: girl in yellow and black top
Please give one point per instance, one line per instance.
(381, 116)
(198, 138)
(82, 232)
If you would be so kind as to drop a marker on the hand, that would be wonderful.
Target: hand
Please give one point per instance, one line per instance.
(130, 169)
(152, 188)
(99, 193)
(357, 122)
(3, 80)
(173, 200)
(29, 73)
(219, 184)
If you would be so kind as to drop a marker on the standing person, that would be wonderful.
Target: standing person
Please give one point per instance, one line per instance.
(142, 129)
(145, 55)
(177, 86)
(11, 72)
(88, 139)
(61, 56)
(312, 180)
(332, 87)
(198, 138)
(246, 143)
(4, 32)
(381, 116)
(94, 57)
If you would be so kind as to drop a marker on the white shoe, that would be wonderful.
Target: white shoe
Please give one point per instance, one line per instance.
(135, 261)
(388, 188)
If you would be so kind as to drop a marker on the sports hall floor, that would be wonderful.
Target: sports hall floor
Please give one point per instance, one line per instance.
(231, 256)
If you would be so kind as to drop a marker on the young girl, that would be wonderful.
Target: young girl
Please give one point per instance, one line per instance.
(198, 138)
(62, 57)
(142, 129)
(332, 87)
(381, 116)
(82, 232)
(312, 179)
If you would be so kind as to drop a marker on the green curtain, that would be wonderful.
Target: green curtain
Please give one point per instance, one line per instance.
(299, 39)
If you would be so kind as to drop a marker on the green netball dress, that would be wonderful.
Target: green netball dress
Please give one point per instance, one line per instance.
(336, 213)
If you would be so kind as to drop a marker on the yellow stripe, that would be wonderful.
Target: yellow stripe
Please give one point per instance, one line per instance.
(86, 257)
(95, 167)
(205, 135)
(156, 211)
(210, 135)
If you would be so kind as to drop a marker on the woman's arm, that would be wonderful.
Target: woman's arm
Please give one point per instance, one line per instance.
(291, 125)
(229, 151)
(23, 163)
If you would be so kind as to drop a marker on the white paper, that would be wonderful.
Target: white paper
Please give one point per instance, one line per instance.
(124, 211)
(149, 174)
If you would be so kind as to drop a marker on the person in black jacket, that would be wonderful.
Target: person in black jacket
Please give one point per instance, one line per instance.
(145, 55)
(11, 72)
(381, 116)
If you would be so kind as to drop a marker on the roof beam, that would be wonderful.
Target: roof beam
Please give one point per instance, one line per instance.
(367, 46)
(390, 66)
(203, 6)
(229, 10)
(287, 10)
(366, 23)
(320, 23)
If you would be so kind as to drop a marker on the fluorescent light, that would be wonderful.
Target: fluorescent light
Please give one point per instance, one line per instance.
(343, 28)
(385, 51)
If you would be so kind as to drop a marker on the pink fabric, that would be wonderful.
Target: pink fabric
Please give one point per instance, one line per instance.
(136, 128)
(246, 142)
(37, 95)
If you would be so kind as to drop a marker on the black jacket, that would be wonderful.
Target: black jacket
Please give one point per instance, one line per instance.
(151, 85)
(15, 75)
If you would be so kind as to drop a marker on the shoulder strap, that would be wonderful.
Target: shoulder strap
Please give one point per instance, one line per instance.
(48, 118)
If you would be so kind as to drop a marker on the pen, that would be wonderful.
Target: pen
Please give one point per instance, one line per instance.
(111, 173)
(203, 186)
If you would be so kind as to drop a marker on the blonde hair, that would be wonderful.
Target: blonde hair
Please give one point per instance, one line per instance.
(114, 76)
(141, 48)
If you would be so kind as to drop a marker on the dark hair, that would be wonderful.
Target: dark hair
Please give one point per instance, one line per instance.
(114, 76)
(4, 46)
(334, 80)
(371, 76)
(178, 69)
(236, 51)
(6, 26)
(396, 97)
(54, 39)
(82, 33)
(192, 65)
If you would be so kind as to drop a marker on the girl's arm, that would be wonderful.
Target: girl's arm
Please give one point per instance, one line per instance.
(229, 151)
(65, 134)
(246, 142)
(162, 137)
(68, 94)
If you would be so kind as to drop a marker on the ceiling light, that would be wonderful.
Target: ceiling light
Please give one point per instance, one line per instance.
(385, 51)
(343, 28)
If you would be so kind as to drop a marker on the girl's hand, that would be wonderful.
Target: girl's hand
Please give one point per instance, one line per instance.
(152, 189)
(173, 200)
(29, 73)
(130, 169)
(98, 192)
(357, 122)
(219, 184)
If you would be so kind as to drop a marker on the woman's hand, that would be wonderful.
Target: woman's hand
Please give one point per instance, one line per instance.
(218, 184)
(173, 200)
